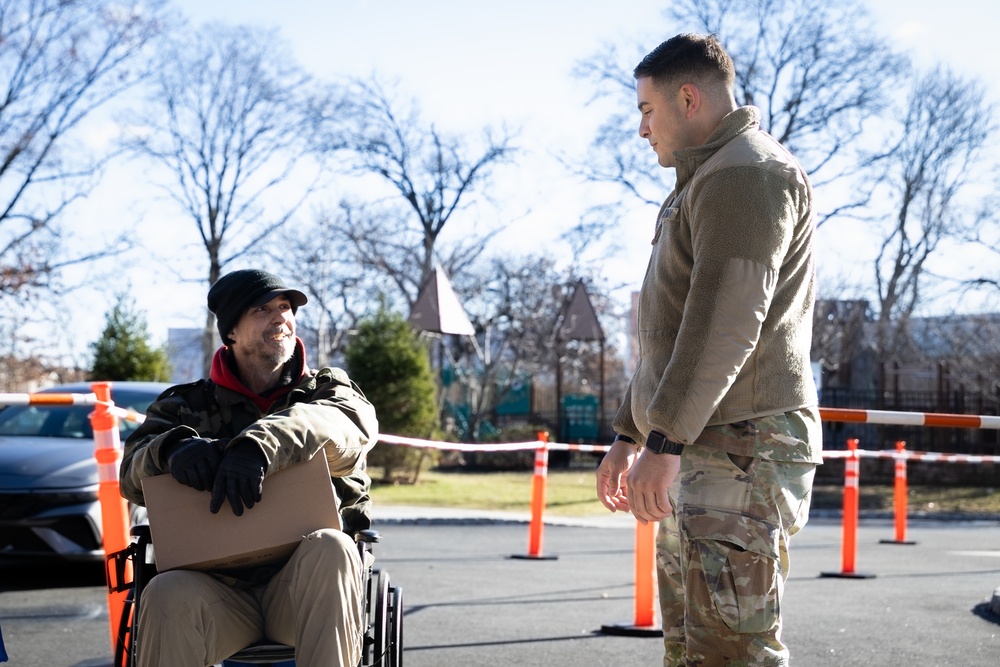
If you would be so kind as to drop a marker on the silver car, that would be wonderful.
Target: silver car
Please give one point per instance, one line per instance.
(48, 474)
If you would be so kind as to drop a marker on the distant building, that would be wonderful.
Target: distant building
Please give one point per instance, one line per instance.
(842, 344)
(932, 354)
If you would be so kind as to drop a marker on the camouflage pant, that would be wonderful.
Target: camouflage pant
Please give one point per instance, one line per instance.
(722, 558)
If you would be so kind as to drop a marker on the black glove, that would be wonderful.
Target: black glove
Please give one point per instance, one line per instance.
(193, 461)
(240, 477)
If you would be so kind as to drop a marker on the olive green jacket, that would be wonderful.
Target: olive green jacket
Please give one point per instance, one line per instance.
(324, 411)
(725, 311)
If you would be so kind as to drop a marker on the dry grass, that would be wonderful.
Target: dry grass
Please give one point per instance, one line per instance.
(567, 493)
(922, 499)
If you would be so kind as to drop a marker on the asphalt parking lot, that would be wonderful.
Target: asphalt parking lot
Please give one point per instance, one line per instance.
(467, 602)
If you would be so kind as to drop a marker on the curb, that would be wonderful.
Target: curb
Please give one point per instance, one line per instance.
(815, 513)
(434, 516)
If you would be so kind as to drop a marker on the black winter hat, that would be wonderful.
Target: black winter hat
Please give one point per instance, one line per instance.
(234, 292)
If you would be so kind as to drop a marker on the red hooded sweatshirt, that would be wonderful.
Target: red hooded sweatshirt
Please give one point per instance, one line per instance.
(224, 374)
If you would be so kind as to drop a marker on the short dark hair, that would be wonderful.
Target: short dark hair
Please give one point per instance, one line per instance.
(689, 56)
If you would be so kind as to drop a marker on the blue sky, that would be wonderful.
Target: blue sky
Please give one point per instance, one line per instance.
(472, 64)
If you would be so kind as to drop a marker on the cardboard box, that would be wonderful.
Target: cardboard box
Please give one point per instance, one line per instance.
(296, 501)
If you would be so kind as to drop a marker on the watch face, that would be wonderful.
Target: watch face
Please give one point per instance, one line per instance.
(658, 444)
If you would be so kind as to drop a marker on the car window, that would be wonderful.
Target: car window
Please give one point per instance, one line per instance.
(22, 421)
(47, 421)
(138, 401)
(63, 421)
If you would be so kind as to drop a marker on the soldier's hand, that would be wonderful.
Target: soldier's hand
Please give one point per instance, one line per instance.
(648, 482)
(240, 478)
(193, 461)
(612, 489)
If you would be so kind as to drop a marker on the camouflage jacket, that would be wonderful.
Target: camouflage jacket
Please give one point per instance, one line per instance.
(325, 410)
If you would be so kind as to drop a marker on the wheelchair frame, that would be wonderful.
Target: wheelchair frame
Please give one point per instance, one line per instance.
(383, 637)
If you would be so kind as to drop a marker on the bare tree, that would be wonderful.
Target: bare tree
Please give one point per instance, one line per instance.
(60, 61)
(946, 122)
(841, 344)
(816, 69)
(330, 270)
(434, 178)
(616, 154)
(983, 234)
(227, 120)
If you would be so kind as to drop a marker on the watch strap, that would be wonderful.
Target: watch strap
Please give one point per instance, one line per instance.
(657, 443)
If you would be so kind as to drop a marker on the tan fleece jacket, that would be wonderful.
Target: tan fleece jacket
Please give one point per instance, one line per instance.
(725, 311)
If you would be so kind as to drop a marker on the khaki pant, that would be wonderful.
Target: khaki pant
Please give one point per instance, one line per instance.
(314, 603)
(722, 558)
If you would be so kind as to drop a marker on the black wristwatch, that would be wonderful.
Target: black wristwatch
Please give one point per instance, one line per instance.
(657, 443)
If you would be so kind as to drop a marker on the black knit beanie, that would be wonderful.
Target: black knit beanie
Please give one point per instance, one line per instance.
(234, 292)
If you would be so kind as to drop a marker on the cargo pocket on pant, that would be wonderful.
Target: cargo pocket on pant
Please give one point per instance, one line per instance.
(732, 567)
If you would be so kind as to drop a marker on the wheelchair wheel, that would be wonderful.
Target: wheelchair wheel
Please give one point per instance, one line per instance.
(125, 641)
(377, 637)
(396, 627)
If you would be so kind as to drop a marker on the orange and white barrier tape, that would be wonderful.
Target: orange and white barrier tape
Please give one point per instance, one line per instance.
(488, 447)
(458, 446)
(71, 399)
(892, 417)
(935, 457)
(566, 447)
(570, 447)
(48, 399)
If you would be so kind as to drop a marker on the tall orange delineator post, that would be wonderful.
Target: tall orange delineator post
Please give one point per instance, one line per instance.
(114, 508)
(899, 497)
(538, 481)
(645, 587)
(645, 574)
(849, 546)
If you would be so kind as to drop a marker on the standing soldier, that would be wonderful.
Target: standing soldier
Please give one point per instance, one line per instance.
(719, 432)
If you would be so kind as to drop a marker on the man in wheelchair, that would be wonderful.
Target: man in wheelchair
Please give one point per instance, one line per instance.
(260, 410)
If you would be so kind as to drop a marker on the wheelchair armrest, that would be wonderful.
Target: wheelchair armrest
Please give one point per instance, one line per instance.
(370, 536)
(115, 571)
(141, 531)
(116, 564)
(138, 553)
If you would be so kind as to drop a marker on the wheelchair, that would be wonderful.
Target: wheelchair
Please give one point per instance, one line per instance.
(383, 636)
